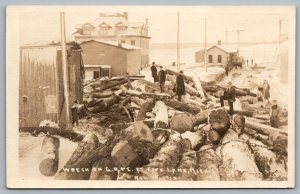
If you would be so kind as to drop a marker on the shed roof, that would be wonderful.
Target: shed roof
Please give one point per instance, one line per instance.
(114, 43)
(227, 49)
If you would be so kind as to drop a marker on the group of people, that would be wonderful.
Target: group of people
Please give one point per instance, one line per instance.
(229, 94)
(160, 77)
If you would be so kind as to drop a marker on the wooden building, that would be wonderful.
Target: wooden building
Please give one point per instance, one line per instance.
(116, 27)
(41, 92)
(121, 58)
(216, 55)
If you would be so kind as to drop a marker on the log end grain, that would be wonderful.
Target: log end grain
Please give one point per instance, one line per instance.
(219, 120)
(48, 167)
(181, 123)
(214, 136)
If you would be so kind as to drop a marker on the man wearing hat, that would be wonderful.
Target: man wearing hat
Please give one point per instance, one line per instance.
(229, 94)
(274, 114)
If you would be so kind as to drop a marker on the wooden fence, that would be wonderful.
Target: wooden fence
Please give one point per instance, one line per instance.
(41, 93)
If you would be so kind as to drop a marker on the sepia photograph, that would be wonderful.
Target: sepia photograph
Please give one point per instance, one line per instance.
(150, 96)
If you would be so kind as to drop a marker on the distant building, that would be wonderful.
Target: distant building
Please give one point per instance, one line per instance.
(109, 58)
(116, 27)
(216, 55)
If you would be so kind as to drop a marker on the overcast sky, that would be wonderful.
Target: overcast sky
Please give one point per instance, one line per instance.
(44, 26)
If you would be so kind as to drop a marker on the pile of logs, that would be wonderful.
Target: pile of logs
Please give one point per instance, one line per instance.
(156, 137)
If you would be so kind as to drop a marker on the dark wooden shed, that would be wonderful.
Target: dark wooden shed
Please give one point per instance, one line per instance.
(41, 92)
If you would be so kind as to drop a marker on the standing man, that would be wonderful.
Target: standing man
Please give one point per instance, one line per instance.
(74, 110)
(251, 61)
(266, 92)
(229, 94)
(154, 72)
(180, 87)
(162, 79)
(274, 114)
(247, 62)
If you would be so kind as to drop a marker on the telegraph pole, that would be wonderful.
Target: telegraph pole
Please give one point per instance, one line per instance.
(205, 62)
(65, 68)
(238, 36)
(178, 44)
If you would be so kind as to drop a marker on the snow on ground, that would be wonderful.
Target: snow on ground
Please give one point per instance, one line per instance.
(30, 156)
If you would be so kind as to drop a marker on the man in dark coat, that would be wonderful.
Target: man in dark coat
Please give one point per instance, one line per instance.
(162, 79)
(180, 87)
(229, 94)
(154, 72)
(74, 111)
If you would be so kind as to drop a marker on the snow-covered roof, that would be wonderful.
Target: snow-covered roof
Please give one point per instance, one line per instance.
(102, 66)
(228, 49)
(114, 43)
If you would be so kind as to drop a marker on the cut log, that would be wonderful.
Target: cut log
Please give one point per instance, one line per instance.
(139, 129)
(261, 116)
(214, 137)
(187, 168)
(166, 160)
(265, 122)
(105, 104)
(151, 85)
(81, 172)
(161, 115)
(194, 102)
(69, 134)
(193, 140)
(90, 102)
(208, 165)
(133, 153)
(189, 89)
(147, 95)
(49, 163)
(181, 106)
(105, 94)
(104, 169)
(238, 92)
(219, 120)
(263, 129)
(239, 124)
(182, 123)
(110, 85)
(238, 163)
(138, 101)
(199, 86)
(189, 78)
(201, 117)
(278, 143)
(272, 167)
(146, 107)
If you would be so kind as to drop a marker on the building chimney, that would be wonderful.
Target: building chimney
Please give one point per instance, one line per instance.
(219, 42)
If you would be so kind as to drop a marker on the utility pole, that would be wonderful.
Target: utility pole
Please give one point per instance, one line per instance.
(205, 57)
(226, 36)
(65, 68)
(279, 39)
(178, 44)
(238, 36)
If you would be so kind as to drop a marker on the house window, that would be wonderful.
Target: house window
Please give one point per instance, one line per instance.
(87, 29)
(219, 58)
(132, 42)
(210, 59)
(96, 74)
(123, 41)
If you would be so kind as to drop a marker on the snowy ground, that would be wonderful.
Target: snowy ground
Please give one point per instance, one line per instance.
(30, 156)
